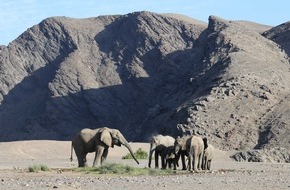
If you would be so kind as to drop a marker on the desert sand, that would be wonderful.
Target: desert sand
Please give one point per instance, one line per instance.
(15, 157)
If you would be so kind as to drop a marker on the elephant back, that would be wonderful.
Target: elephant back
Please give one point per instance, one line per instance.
(169, 141)
(87, 134)
(195, 141)
(164, 140)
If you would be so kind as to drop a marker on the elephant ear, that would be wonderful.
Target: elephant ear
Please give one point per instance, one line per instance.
(106, 138)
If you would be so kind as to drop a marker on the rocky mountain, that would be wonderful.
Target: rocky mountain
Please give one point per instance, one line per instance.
(144, 73)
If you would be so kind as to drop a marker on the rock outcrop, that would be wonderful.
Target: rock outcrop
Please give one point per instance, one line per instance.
(144, 73)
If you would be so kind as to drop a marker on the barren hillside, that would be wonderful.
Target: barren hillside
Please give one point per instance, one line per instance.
(143, 73)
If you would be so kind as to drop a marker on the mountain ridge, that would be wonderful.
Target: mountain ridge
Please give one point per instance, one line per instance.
(144, 73)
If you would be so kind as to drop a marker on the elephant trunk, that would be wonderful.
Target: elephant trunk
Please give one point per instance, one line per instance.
(126, 144)
(152, 148)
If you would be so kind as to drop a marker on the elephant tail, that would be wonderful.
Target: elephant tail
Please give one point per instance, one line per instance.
(71, 154)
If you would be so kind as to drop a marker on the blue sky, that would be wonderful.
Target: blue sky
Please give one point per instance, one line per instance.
(16, 16)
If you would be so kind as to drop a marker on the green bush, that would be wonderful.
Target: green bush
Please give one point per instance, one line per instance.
(34, 168)
(37, 168)
(44, 168)
(113, 168)
(139, 154)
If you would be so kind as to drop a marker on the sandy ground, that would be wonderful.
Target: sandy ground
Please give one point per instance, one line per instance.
(15, 157)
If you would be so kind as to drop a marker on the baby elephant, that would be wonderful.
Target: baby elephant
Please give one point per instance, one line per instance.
(207, 157)
(169, 157)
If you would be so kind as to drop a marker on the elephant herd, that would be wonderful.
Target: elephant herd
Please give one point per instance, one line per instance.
(197, 150)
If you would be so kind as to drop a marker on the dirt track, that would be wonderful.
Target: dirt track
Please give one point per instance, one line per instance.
(226, 174)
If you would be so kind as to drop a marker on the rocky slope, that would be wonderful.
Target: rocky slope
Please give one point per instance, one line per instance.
(144, 73)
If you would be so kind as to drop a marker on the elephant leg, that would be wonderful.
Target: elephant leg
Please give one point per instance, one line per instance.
(176, 159)
(163, 162)
(99, 153)
(195, 164)
(198, 163)
(156, 159)
(208, 164)
(166, 162)
(174, 164)
(183, 162)
(82, 160)
(104, 156)
(200, 158)
(195, 160)
(190, 161)
(169, 163)
(85, 160)
(205, 166)
(203, 163)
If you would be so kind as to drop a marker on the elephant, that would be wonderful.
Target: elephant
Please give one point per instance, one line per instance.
(180, 149)
(207, 157)
(195, 149)
(158, 144)
(168, 154)
(97, 140)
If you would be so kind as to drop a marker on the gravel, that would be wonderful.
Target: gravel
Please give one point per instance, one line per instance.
(241, 176)
(225, 174)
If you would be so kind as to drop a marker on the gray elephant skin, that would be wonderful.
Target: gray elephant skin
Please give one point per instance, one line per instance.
(180, 149)
(158, 144)
(97, 140)
(171, 159)
(207, 157)
(195, 149)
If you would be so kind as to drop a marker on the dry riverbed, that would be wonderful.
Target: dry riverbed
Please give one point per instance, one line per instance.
(15, 157)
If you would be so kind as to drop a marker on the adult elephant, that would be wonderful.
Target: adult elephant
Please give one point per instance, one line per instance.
(207, 157)
(180, 148)
(97, 140)
(195, 149)
(158, 144)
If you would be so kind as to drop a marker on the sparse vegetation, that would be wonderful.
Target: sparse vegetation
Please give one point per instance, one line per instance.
(37, 168)
(44, 168)
(139, 154)
(244, 148)
(113, 168)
